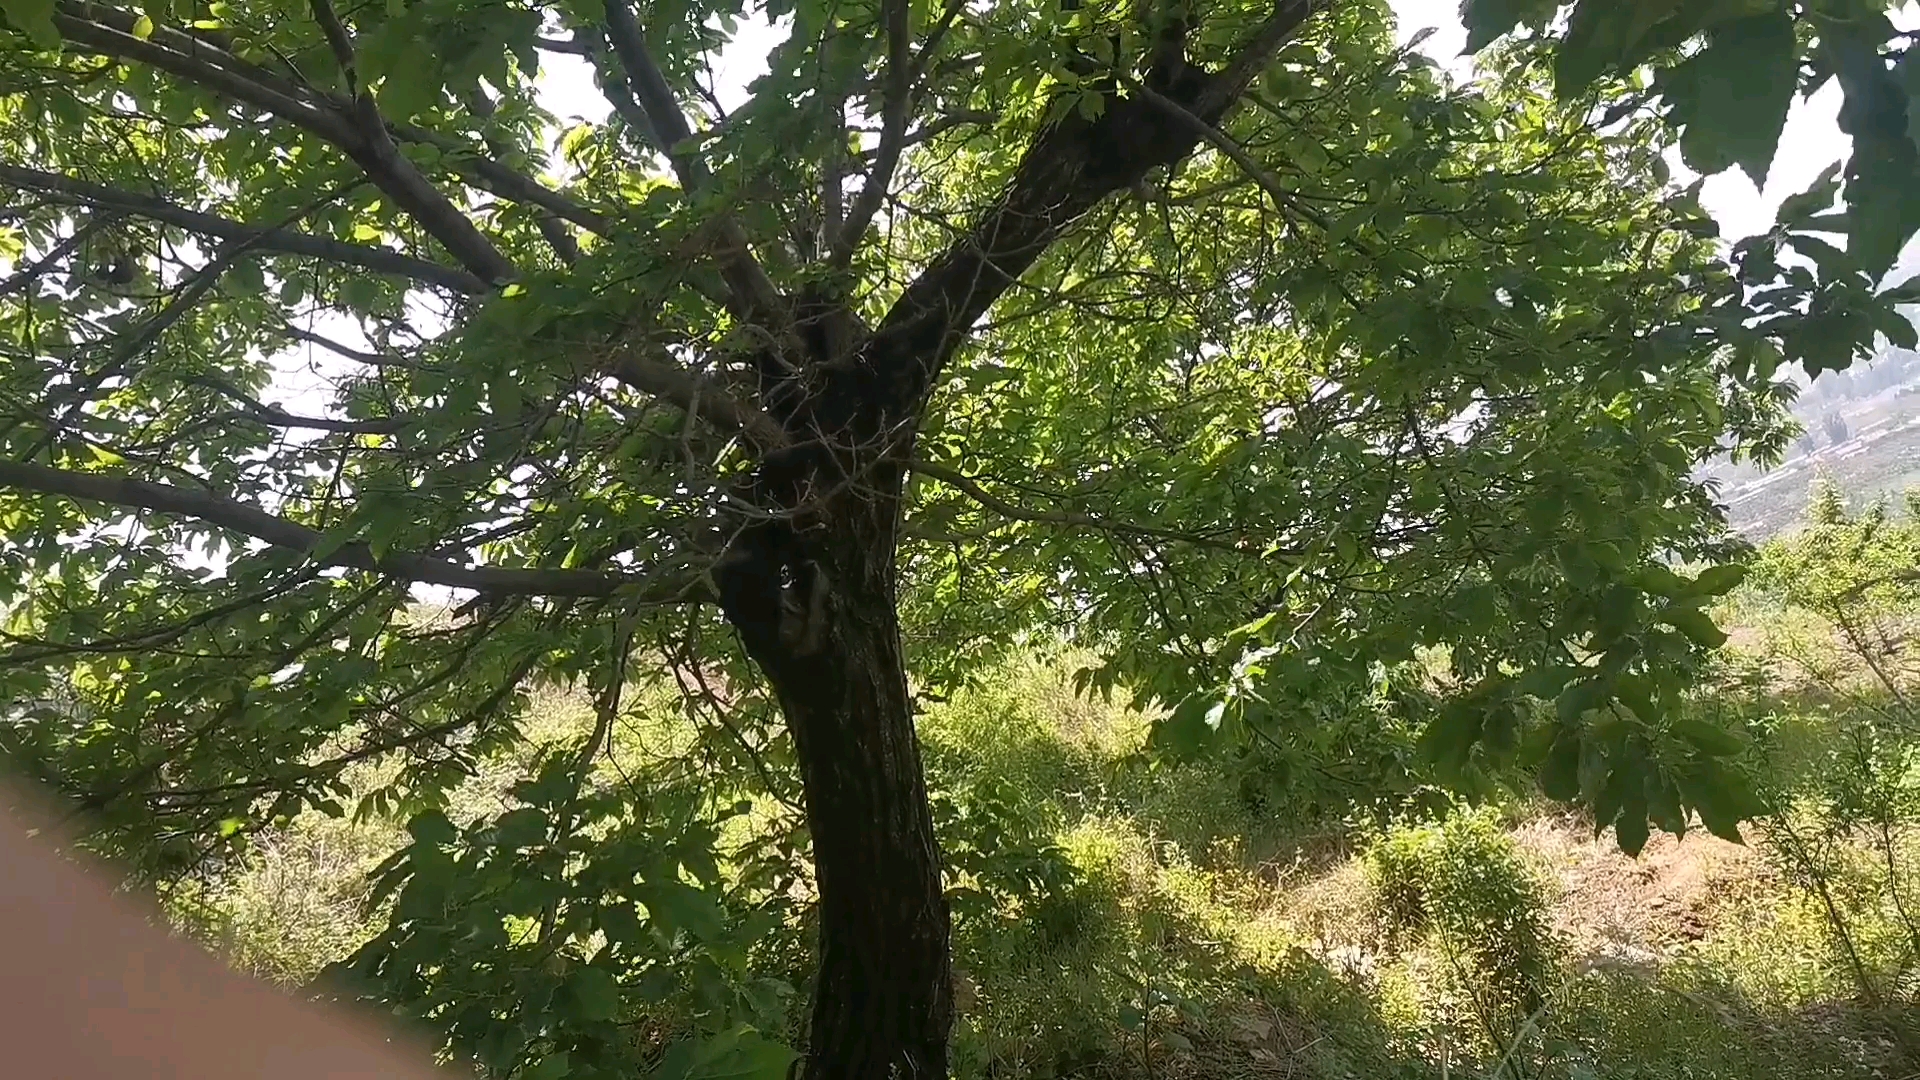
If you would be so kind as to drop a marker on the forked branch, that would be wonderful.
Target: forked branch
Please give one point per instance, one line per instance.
(1069, 167)
(755, 297)
(677, 384)
(350, 126)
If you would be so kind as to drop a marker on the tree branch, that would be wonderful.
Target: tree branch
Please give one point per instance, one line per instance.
(1252, 55)
(1235, 153)
(127, 347)
(698, 397)
(490, 176)
(619, 94)
(279, 417)
(278, 531)
(426, 204)
(366, 142)
(110, 31)
(552, 229)
(338, 41)
(935, 128)
(371, 359)
(256, 237)
(242, 81)
(897, 98)
(931, 46)
(972, 489)
(1068, 168)
(755, 296)
(28, 274)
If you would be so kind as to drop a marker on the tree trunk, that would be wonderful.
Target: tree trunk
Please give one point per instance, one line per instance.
(809, 581)
(814, 602)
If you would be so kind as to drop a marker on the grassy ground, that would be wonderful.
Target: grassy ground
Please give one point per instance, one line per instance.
(1193, 931)
(1697, 960)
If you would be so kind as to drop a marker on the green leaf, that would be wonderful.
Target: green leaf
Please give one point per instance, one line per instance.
(1612, 794)
(431, 827)
(1883, 197)
(677, 906)
(1630, 827)
(1545, 682)
(143, 28)
(33, 18)
(1897, 327)
(427, 889)
(1658, 580)
(1560, 772)
(360, 292)
(1721, 796)
(1185, 733)
(551, 1067)
(1663, 805)
(1711, 740)
(1718, 580)
(1832, 261)
(1450, 736)
(521, 827)
(500, 1048)
(1694, 623)
(1486, 20)
(384, 527)
(246, 276)
(1575, 700)
(739, 1054)
(596, 993)
(1907, 71)
(1732, 96)
(1800, 208)
(1603, 34)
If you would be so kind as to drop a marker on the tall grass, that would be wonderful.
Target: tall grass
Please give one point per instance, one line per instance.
(1115, 918)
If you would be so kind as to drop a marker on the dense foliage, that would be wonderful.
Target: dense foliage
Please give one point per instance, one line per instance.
(1230, 341)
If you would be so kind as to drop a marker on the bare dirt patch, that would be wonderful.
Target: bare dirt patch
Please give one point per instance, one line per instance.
(1615, 909)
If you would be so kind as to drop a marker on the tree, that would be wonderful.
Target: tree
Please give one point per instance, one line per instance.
(1835, 425)
(1826, 504)
(1232, 341)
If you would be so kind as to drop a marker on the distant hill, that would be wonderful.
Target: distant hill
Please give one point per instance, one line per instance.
(1862, 428)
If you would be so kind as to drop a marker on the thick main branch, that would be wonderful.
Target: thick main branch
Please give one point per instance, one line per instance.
(697, 396)
(1071, 165)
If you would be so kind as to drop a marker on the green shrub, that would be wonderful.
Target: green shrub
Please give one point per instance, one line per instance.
(1463, 887)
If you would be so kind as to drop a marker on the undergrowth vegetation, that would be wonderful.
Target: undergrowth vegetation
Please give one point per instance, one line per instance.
(1315, 906)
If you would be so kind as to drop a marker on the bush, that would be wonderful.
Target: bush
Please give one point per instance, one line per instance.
(1462, 887)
